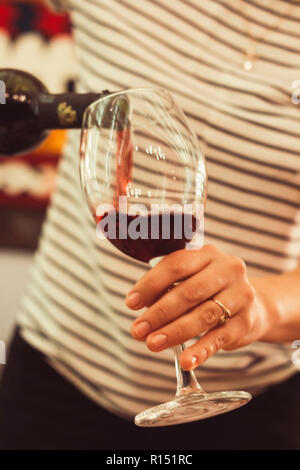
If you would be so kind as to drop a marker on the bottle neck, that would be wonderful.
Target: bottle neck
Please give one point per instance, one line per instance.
(29, 111)
(63, 111)
(46, 111)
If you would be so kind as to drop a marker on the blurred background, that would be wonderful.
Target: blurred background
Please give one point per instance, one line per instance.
(35, 39)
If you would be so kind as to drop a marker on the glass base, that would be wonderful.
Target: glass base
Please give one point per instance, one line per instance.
(192, 407)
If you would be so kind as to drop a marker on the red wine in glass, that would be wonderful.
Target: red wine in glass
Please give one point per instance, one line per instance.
(157, 234)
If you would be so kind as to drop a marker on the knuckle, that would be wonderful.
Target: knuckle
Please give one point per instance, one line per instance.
(219, 342)
(220, 281)
(151, 284)
(205, 353)
(176, 265)
(238, 266)
(211, 249)
(249, 293)
(211, 348)
(179, 334)
(210, 316)
(161, 315)
(191, 292)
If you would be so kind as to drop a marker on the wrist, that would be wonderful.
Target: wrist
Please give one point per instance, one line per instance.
(268, 305)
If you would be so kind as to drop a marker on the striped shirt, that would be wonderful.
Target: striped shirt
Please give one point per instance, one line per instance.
(74, 308)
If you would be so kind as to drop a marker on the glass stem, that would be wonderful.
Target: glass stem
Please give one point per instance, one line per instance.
(186, 379)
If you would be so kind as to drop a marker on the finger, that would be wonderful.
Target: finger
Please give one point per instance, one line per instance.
(180, 300)
(172, 268)
(203, 318)
(231, 335)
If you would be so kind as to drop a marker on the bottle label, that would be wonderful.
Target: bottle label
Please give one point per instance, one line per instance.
(2, 92)
(67, 116)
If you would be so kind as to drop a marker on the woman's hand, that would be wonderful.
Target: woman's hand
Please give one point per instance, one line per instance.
(178, 314)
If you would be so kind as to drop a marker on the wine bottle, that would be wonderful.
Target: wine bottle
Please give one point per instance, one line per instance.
(30, 111)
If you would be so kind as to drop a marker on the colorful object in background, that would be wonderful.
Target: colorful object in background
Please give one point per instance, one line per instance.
(32, 38)
(22, 17)
(28, 181)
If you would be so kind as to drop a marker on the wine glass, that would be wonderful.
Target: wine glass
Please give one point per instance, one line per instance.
(144, 178)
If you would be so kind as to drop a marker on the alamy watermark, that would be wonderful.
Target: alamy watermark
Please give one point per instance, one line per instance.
(157, 222)
(296, 92)
(2, 352)
(295, 358)
(2, 92)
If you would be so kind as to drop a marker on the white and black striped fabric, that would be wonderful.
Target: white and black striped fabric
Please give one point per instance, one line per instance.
(74, 308)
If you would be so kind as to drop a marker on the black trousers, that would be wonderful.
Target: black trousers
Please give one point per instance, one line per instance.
(39, 410)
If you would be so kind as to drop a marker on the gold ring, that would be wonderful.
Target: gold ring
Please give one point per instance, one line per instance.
(226, 313)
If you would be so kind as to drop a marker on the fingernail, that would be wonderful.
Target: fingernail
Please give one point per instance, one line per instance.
(159, 340)
(133, 299)
(142, 329)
